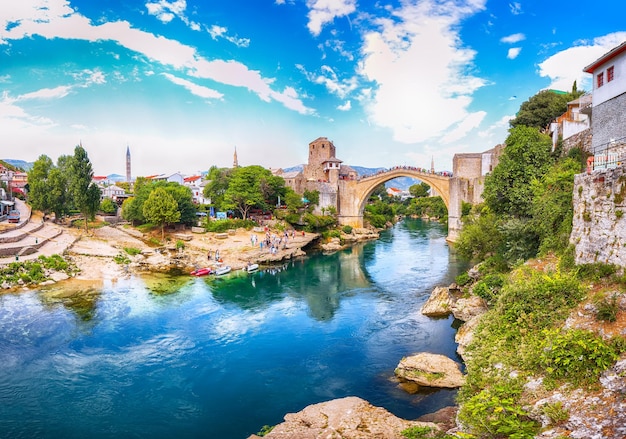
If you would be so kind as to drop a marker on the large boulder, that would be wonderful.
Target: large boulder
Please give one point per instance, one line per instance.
(346, 418)
(430, 370)
(439, 304)
(467, 307)
(465, 335)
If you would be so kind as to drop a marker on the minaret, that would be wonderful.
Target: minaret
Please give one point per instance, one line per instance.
(432, 164)
(127, 164)
(235, 162)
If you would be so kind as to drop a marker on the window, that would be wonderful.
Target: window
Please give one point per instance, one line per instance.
(600, 79)
(609, 74)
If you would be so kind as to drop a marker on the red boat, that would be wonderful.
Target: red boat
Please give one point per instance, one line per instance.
(202, 271)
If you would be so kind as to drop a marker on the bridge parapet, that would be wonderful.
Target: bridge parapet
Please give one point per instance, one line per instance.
(412, 169)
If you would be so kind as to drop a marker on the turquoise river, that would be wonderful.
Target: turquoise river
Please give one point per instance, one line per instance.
(183, 357)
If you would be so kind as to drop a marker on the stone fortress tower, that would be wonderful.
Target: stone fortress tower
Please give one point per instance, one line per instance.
(324, 173)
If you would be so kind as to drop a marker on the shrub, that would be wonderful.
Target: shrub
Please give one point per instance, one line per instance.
(121, 259)
(132, 251)
(575, 355)
(555, 412)
(495, 413)
(347, 229)
(489, 287)
(220, 226)
(607, 308)
(463, 279)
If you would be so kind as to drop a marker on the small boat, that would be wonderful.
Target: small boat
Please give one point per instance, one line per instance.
(222, 270)
(251, 267)
(202, 271)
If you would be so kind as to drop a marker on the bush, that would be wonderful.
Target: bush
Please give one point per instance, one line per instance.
(220, 226)
(132, 251)
(463, 279)
(607, 308)
(575, 355)
(496, 412)
(180, 245)
(347, 229)
(489, 287)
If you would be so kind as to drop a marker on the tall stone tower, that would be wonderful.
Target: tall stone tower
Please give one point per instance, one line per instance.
(128, 176)
(235, 162)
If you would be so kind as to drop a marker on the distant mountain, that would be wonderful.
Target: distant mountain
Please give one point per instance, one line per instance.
(116, 177)
(402, 183)
(26, 166)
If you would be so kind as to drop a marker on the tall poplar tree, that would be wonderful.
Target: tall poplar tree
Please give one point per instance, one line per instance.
(39, 195)
(86, 198)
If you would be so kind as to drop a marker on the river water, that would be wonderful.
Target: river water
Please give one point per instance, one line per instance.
(183, 357)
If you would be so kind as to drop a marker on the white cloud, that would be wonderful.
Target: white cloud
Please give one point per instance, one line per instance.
(565, 67)
(421, 70)
(46, 93)
(516, 8)
(198, 90)
(513, 38)
(513, 52)
(322, 12)
(345, 107)
(56, 19)
(221, 32)
(472, 121)
(166, 11)
(498, 127)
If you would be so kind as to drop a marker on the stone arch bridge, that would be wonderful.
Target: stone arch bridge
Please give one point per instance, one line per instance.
(353, 194)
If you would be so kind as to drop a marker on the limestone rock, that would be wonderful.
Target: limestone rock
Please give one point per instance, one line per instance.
(345, 418)
(466, 308)
(438, 304)
(430, 370)
(465, 335)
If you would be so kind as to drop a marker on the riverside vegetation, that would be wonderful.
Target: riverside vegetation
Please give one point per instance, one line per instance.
(528, 346)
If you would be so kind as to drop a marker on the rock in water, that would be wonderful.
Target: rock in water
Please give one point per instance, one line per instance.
(346, 418)
(438, 304)
(430, 370)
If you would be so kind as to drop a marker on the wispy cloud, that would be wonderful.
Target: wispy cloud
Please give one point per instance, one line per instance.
(513, 52)
(513, 38)
(415, 102)
(198, 90)
(516, 8)
(166, 11)
(566, 66)
(322, 12)
(221, 32)
(345, 107)
(56, 19)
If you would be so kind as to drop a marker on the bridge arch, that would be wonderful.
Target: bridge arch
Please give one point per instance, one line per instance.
(355, 194)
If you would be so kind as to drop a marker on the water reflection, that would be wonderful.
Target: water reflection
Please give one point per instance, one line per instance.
(319, 280)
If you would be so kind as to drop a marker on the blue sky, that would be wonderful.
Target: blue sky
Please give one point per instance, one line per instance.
(185, 82)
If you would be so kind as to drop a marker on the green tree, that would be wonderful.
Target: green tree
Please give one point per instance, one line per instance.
(293, 201)
(313, 197)
(217, 184)
(60, 197)
(92, 200)
(551, 208)
(39, 195)
(244, 189)
(80, 178)
(161, 208)
(419, 190)
(526, 157)
(543, 108)
(108, 206)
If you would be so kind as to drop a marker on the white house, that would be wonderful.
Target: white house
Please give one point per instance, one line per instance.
(608, 110)
(112, 192)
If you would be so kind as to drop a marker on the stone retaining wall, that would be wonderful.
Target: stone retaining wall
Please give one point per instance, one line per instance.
(5, 239)
(599, 223)
(11, 251)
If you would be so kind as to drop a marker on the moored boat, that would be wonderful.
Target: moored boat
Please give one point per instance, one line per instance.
(251, 267)
(222, 270)
(202, 271)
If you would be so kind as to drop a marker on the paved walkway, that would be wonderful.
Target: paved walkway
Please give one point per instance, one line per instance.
(56, 238)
